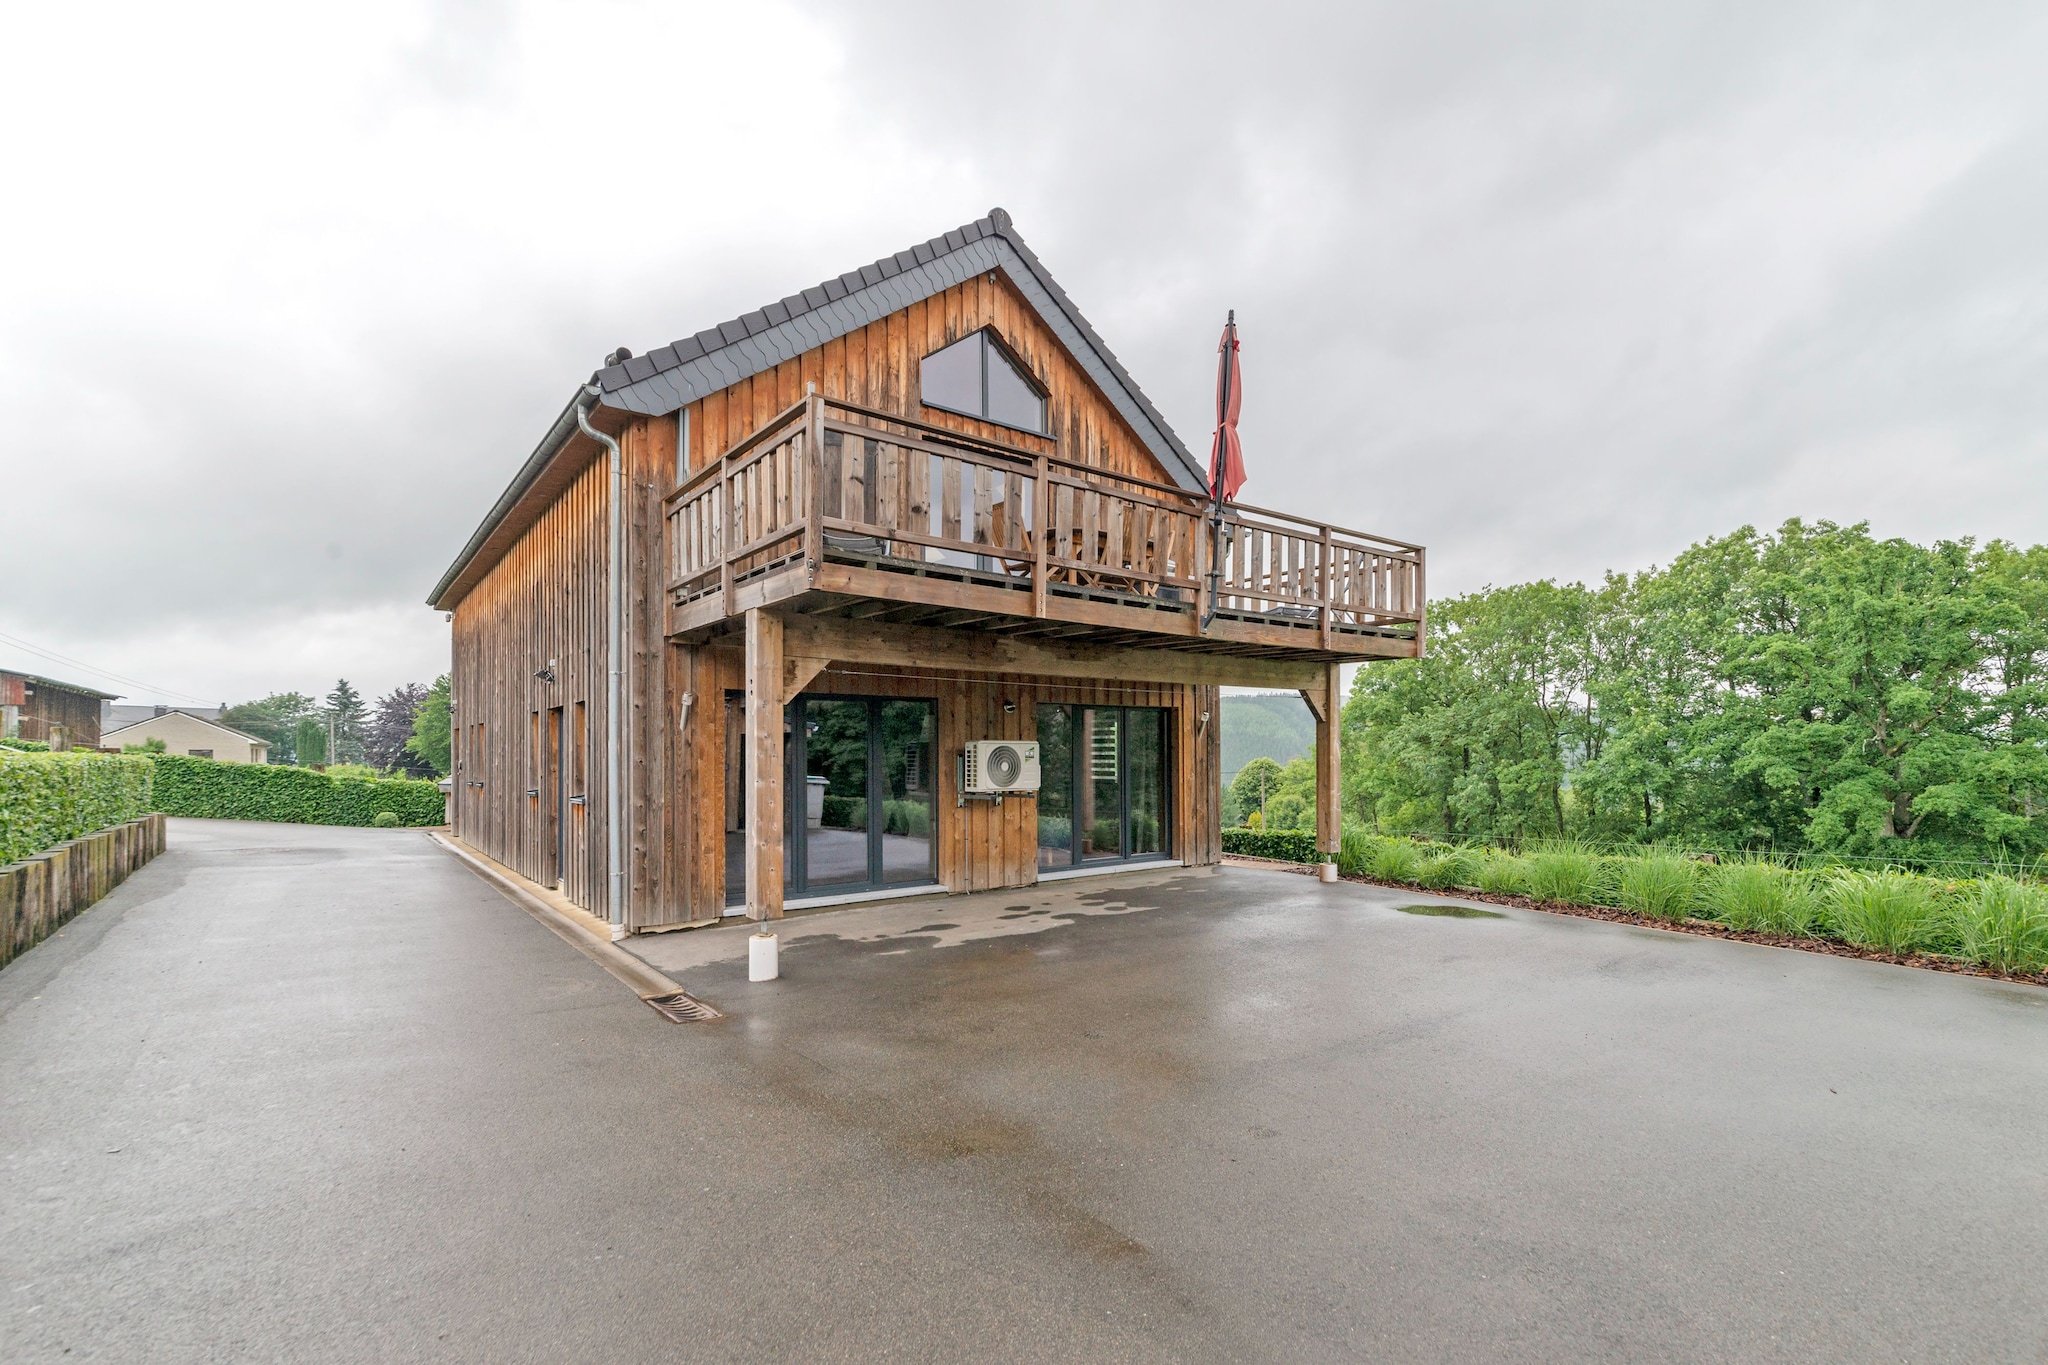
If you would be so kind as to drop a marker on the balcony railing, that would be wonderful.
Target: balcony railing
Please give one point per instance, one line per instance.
(825, 481)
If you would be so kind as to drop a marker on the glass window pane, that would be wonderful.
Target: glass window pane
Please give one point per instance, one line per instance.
(909, 730)
(1100, 820)
(735, 797)
(952, 378)
(1056, 786)
(1011, 399)
(1145, 773)
(835, 794)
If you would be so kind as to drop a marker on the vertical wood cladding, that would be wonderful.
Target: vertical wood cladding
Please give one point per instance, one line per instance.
(981, 846)
(877, 366)
(545, 600)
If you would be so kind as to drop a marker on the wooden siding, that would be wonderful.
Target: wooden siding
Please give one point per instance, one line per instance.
(877, 366)
(981, 846)
(45, 704)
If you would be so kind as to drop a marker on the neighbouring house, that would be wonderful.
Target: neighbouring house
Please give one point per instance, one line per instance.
(897, 585)
(114, 716)
(183, 732)
(65, 715)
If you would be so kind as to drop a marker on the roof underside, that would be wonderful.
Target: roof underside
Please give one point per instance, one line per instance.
(60, 685)
(674, 376)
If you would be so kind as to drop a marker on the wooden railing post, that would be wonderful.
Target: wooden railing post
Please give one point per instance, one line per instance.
(1327, 582)
(1041, 513)
(813, 491)
(725, 531)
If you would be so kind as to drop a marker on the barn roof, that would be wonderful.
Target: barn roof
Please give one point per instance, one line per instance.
(678, 374)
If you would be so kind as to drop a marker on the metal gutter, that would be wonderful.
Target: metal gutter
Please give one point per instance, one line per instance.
(543, 454)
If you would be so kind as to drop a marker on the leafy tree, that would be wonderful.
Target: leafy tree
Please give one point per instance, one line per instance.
(389, 728)
(1254, 782)
(432, 737)
(275, 720)
(1813, 689)
(309, 742)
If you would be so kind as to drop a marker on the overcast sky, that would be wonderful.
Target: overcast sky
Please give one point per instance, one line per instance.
(289, 292)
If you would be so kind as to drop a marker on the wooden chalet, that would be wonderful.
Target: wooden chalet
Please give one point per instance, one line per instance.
(915, 507)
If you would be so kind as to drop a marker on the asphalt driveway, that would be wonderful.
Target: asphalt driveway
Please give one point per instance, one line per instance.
(322, 1094)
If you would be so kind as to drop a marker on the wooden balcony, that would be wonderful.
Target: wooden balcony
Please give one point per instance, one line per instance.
(836, 510)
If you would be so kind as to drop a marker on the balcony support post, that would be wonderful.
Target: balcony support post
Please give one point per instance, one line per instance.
(1326, 702)
(764, 765)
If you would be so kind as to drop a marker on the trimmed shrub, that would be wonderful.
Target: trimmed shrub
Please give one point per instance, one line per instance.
(2004, 924)
(1895, 911)
(1568, 872)
(1287, 845)
(385, 819)
(1761, 896)
(211, 790)
(46, 798)
(27, 746)
(1661, 885)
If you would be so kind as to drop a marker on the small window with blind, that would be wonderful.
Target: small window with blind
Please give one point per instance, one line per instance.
(976, 377)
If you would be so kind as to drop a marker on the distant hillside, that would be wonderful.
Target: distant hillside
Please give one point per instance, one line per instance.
(1273, 725)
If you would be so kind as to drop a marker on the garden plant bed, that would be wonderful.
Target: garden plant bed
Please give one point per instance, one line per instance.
(1932, 962)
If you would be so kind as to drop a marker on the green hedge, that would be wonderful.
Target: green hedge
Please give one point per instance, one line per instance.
(47, 798)
(213, 790)
(1288, 845)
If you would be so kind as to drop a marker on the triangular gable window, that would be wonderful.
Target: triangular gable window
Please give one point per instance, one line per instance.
(976, 378)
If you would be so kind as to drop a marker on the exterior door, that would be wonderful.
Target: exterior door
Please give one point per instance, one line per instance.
(861, 796)
(1104, 782)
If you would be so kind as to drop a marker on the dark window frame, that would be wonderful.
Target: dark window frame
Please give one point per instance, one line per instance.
(990, 341)
(795, 855)
(1078, 774)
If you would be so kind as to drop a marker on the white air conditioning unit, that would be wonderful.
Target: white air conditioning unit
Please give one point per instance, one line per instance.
(999, 766)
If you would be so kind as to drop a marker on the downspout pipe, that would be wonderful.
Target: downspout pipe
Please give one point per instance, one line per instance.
(615, 668)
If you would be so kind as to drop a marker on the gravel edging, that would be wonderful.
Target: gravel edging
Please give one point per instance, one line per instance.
(1702, 928)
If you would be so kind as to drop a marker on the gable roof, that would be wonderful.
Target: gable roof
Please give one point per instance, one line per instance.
(678, 374)
(60, 686)
(209, 724)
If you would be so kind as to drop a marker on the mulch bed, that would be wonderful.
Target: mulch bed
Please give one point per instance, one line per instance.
(1928, 962)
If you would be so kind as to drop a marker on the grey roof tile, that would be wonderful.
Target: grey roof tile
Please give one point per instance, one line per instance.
(835, 289)
(816, 296)
(731, 332)
(870, 274)
(638, 368)
(688, 349)
(664, 358)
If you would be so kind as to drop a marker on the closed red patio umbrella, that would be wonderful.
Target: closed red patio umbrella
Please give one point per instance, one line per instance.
(1226, 456)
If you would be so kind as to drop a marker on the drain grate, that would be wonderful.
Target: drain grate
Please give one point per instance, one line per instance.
(682, 1009)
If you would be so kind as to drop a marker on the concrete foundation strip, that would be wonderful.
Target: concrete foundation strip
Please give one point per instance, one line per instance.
(644, 981)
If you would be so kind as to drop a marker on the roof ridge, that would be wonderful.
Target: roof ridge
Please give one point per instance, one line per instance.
(634, 368)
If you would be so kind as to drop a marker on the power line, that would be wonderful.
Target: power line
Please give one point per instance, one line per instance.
(65, 659)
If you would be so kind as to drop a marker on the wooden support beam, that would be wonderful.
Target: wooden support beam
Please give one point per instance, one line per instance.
(798, 670)
(764, 765)
(878, 642)
(1329, 750)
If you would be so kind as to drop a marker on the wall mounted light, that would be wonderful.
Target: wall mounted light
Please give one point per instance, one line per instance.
(1009, 708)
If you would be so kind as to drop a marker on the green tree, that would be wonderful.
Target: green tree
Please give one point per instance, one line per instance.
(432, 732)
(309, 742)
(347, 710)
(275, 720)
(1254, 782)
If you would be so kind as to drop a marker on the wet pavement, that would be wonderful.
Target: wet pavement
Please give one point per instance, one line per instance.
(323, 1094)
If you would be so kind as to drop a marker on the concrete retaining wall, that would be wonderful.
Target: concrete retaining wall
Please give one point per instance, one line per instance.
(39, 894)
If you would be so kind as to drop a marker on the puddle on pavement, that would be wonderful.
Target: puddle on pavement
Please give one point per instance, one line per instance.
(1450, 911)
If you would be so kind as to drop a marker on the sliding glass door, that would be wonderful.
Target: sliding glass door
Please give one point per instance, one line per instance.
(1102, 793)
(862, 773)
